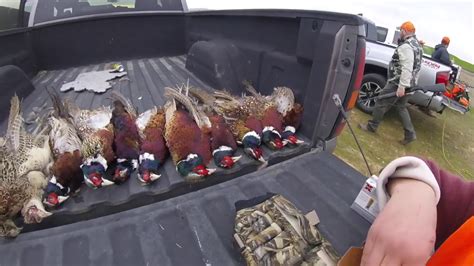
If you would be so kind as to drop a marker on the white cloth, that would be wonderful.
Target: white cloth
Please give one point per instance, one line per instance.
(405, 167)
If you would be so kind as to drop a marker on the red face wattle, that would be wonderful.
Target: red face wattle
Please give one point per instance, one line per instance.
(278, 143)
(146, 176)
(201, 170)
(257, 152)
(227, 162)
(292, 139)
(95, 179)
(53, 199)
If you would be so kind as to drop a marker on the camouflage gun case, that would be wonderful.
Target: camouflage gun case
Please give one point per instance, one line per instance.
(270, 230)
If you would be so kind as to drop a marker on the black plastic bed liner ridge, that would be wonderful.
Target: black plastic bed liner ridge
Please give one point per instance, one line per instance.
(144, 85)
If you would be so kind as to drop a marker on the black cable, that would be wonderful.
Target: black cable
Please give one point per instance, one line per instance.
(338, 103)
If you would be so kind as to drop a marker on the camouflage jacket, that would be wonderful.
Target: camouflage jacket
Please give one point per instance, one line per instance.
(405, 65)
(275, 232)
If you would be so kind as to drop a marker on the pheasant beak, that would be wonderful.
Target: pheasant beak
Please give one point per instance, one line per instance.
(201, 170)
(228, 161)
(94, 180)
(293, 140)
(147, 177)
(256, 153)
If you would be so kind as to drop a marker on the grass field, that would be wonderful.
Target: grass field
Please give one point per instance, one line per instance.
(458, 61)
(453, 150)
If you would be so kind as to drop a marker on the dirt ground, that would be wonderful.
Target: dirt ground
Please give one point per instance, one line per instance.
(467, 77)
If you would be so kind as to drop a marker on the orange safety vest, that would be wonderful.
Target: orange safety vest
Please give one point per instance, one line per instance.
(458, 249)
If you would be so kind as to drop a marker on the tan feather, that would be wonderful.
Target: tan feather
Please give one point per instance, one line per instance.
(200, 118)
(15, 124)
(117, 96)
(203, 96)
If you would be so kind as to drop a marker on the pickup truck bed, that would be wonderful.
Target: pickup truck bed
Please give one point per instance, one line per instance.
(197, 228)
(147, 80)
(316, 54)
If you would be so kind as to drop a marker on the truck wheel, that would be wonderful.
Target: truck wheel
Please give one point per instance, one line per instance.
(371, 86)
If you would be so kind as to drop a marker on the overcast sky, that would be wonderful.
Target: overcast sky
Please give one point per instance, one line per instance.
(433, 19)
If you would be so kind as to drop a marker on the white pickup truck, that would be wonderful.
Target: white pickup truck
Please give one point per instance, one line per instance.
(378, 56)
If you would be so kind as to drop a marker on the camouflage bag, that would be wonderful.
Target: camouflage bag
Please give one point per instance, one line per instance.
(275, 232)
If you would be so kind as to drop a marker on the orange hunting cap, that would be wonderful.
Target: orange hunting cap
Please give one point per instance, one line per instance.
(445, 40)
(408, 26)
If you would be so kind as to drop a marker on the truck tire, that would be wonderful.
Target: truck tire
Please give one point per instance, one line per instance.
(371, 86)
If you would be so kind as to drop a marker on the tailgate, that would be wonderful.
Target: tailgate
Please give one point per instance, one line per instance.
(196, 228)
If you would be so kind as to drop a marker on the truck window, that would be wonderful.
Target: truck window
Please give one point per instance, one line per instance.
(9, 12)
(371, 32)
(50, 10)
(396, 36)
(382, 34)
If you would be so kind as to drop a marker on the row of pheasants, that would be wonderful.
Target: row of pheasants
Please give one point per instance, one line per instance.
(194, 127)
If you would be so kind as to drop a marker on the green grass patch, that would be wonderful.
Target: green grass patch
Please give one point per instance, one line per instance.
(458, 61)
(453, 150)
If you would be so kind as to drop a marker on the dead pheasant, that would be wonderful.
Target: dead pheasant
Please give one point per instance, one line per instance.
(126, 137)
(292, 121)
(66, 145)
(187, 136)
(281, 115)
(245, 126)
(223, 144)
(24, 161)
(153, 150)
(96, 132)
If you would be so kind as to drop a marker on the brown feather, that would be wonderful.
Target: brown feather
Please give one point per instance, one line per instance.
(67, 170)
(271, 117)
(184, 137)
(221, 134)
(294, 116)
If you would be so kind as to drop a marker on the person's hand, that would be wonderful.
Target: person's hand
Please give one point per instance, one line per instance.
(400, 91)
(404, 233)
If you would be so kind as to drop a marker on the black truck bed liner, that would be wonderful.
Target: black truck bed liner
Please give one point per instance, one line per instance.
(197, 228)
(148, 78)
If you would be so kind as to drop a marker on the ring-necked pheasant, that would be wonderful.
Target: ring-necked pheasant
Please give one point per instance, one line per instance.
(126, 137)
(96, 132)
(66, 146)
(223, 144)
(245, 126)
(24, 161)
(281, 115)
(153, 150)
(187, 136)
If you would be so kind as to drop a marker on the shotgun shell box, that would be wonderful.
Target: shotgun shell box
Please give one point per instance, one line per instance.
(366, 202)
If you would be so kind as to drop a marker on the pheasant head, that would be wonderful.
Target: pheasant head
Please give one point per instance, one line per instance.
(93, 170)
(193, 166)
(148, 168)
(223, 157)
(33, 211)
(124, 169)
(272, 138)
(289, 136)
(251, 142)
(55, 193)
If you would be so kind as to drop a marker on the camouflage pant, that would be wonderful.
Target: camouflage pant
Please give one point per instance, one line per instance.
(384, 105)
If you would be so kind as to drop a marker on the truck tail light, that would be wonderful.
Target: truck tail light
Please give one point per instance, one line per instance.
(358, 80)
(442, 77)
(340, 128)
